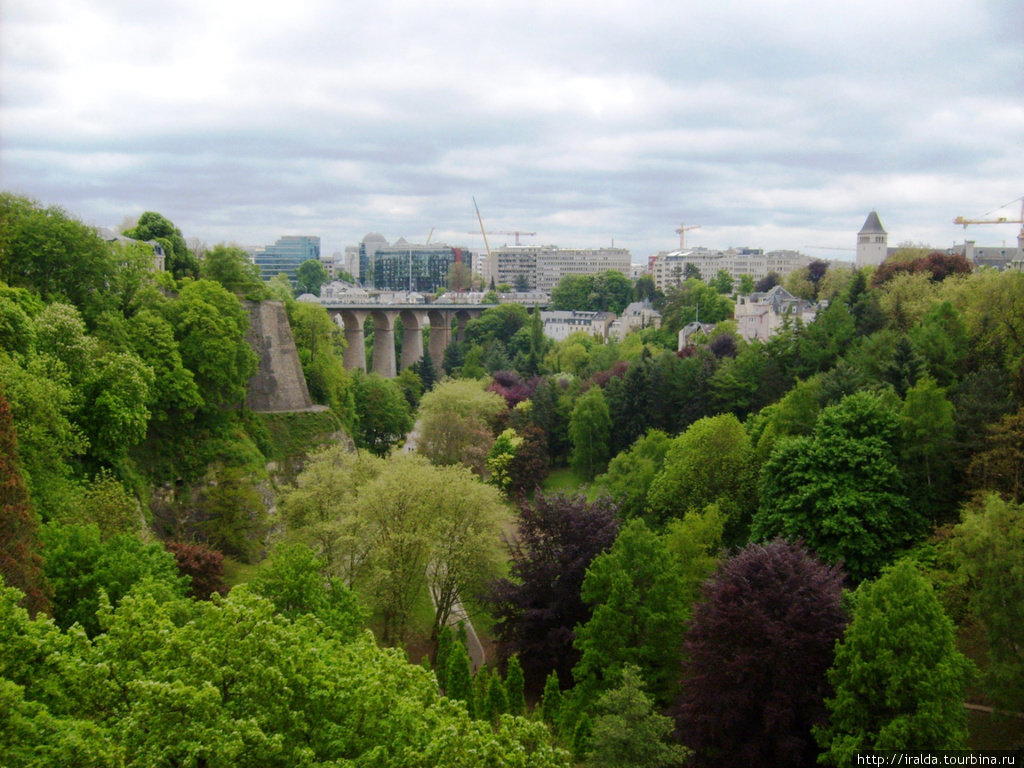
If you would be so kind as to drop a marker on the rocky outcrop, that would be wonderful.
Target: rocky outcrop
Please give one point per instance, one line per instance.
(279, 384)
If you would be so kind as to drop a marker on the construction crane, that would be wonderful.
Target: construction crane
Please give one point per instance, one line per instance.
(429, 236)
(1001, 220)
(516, 232)
(682, 234)
(482, 231)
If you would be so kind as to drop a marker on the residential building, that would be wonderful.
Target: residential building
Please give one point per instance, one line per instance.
(761, 315)
(285, 256)
(541, 267)
(1001, 257)
(670, 268)
(110, 236)
(560, 324)
(638, 315)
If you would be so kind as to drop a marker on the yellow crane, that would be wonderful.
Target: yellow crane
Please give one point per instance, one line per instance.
(1001, 220)
(683, 229)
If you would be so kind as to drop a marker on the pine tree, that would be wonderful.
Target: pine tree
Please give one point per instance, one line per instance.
(445, 641)
(497, 698)
(21, 565)
(481, 686)
(426, 371)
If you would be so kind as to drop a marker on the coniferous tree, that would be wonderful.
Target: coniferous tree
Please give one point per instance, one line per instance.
(460, 682)
(497, 697)
(445, 642)
(551, 701)
(21, 564)
(514, 685)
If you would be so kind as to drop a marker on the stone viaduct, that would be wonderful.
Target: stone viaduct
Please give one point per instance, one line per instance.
(438, 318)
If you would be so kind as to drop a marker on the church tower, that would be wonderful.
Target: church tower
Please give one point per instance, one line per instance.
(872, 242)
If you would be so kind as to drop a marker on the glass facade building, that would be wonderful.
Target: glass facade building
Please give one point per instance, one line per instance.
(286, 255)
(410, 267)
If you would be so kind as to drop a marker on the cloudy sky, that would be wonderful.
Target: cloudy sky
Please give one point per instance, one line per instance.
(770, 123)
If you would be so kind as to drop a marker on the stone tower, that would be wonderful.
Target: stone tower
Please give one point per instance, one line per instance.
(872, 242)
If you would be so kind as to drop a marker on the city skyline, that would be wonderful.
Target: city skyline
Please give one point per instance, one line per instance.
(771, 125)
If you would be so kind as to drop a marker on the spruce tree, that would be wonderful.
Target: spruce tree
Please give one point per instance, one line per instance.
(445, 641)
(497, 698)
(460, 682)
(551, 701)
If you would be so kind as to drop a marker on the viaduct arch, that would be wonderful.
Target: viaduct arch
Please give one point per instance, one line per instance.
(437, 320)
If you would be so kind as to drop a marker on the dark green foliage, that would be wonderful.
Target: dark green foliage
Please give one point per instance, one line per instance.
(551, 700)
(756, 657)
(384, 416)
(989, 547)
(627, 732)
(459, 680)
(233, 269)
(514, 685)
(840, 490)
(309, 277)
(631, 472)
(445, 641)
(608, 291)
(898, 678)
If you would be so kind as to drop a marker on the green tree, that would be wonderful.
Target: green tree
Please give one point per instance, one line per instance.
(309, 276)
(551, 699)
(639, 608)
(233, 269)
(454, 425)
(117, 417)
(514, 684)
(210, 325)
(928, 430)
(631, 472)
(841, 490)
(460, 681)
(174, 395)
(179, 260)
(990, 551)
(1000, 465)
(722, 282)
(628, 732)
(384, 417)
(711, 463)
(898, 677)
(589, 429)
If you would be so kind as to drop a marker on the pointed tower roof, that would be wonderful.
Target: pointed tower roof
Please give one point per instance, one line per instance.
(872, 225)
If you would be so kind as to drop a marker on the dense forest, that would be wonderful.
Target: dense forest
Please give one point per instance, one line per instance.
(734, 554)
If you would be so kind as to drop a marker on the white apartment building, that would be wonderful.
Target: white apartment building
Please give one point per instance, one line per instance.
(561, 324)
(669, 268)
(541, 267)
(761, 315)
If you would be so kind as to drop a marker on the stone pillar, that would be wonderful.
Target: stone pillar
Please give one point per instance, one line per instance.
(413, 322)
(384, 343)
(355, 348)
(440, 337)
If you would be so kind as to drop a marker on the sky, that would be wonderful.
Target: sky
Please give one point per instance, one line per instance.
(767, 123)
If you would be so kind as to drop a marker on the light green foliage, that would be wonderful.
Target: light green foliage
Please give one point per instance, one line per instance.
(629, 733)
(60, 333)
(116, 416)
(49, 442)
(321, 347)
(589, 430)
(454, 423)
(990, 550)
(639, 607)
(991, 305)
(711, 463)
(210, 325)
(383, 417)
(840, 490)
(174, 393)
(233, 269)
(695, 542)
(79, 564)
(231, 682)
(296, 584)
(631, 473)
(795, 414)
(314, 506)
(898, 677)
(500, 458)
(309, 277)
(906, 297)
(722, 282)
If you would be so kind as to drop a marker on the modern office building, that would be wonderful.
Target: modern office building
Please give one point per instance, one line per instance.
(285, 256)
(406, 266)
(669, 268)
